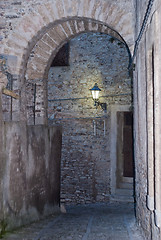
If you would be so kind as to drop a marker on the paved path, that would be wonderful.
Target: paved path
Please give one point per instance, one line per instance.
(86, 222)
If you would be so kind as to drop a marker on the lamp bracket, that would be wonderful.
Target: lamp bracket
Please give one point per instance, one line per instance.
(102, 105)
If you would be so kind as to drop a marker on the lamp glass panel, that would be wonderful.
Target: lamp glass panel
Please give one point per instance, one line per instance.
(95, 94)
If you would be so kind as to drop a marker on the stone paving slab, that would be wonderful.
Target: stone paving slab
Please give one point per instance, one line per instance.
(112, 221)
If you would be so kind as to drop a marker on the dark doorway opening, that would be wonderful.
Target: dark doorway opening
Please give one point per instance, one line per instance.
(125, 161)
(128, 164)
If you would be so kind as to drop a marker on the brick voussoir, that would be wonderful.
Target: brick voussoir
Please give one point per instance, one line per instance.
(81, 26)
(40, 60)
(67, 29)
(54, 36)
(57, 30)
(93, 26)
(40, 52)
(49, 41)
(43, 45)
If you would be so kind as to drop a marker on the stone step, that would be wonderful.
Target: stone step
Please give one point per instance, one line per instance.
(126, 185)
(121, 198)
(124, 191)
(123, 195)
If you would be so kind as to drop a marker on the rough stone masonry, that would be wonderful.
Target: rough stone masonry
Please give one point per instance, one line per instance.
(85, 165)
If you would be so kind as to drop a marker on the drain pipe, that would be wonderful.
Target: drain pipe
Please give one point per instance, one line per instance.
(157, 119)
(150, 130)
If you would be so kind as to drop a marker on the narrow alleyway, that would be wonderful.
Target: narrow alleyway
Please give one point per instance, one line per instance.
(86, 222)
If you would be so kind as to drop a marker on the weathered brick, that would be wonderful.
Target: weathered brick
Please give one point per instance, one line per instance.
(26, 31)
(126, 33)
(46, 14)
(67, 29)
(72, 26)
(44, 45)
(37, 21)
(32, 72)
(106, 9)
(49, 41)
(59, 9)
(39, 60)
(54, 36)
(58, 30)
(85, 7)
(76, 26)
(16, 38)
(114, 17)
(96, 9)
(40, 52)
(118, 20)
(17, 44)
(93, 26)
(37, 67)
(52, 10)
(81, 26)
(71, 7)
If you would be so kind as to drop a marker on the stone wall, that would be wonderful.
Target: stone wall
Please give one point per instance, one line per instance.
(12, 11)
(86, 163)
(146, 117)
(31, 173)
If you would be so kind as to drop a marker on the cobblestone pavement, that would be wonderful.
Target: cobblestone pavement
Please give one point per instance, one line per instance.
(85, 222)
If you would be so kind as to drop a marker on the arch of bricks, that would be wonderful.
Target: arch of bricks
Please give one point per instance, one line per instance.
(45, 49)
(39, 34)
(33, 27)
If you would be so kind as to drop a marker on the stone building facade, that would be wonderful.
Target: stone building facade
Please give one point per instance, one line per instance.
(31, 34)
(147, 136)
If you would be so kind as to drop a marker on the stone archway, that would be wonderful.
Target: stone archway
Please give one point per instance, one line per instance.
(33, 25)
(38, 35)
(46, 48)
(78, 117)
(43, 29)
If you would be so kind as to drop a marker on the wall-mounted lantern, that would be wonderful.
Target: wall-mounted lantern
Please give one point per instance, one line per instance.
(95, 94)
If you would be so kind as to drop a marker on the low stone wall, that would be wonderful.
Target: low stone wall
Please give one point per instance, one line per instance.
(31, 182)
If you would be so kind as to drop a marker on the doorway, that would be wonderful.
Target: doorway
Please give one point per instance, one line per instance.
(122, 164)
(125, 163)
